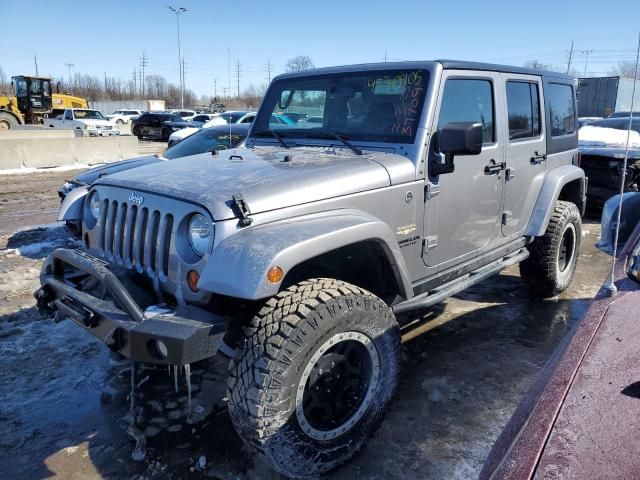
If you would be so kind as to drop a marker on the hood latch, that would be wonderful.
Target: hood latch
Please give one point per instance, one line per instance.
(242, 210)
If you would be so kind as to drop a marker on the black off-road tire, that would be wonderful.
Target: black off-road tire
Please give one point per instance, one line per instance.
(279, 348)
(137, 132)
(8, 121)
(545, 271)
(166, 133)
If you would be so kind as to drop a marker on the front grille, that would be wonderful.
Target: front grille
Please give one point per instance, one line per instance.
(135, 237)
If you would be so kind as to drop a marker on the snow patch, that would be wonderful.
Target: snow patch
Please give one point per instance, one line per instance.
(609, 137)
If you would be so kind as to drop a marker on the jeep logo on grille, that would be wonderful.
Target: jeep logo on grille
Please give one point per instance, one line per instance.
(133, 198)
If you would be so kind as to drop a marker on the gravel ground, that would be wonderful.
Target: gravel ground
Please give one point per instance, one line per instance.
(65, 408)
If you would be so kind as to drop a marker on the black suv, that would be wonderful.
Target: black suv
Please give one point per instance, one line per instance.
(153, 125)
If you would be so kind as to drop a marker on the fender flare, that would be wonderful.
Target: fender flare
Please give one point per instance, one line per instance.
(239, 264)
(553, 183)
(71, 208)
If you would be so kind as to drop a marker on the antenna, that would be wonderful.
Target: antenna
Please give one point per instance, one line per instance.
(611, 286)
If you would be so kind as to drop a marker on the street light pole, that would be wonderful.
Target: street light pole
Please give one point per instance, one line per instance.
(178, 11)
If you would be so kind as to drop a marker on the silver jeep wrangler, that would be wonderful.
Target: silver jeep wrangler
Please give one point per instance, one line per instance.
(399, 185)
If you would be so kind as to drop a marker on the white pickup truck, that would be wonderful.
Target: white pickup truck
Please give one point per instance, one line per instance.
(92, 122)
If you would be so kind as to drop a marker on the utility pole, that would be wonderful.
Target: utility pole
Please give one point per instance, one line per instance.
(224, 93)
(238, 76)
(268, 70)
(178, 11)
(35, 60)
(69, 67)
(215, 88)
(183, 83)
(135, 81)
(143, 64)
(570, 57)
(586, 53)
(229, 70)
(385, 56)
(105, 83)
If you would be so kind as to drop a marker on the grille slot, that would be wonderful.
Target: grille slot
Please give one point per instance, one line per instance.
(167, 244)
(136, 237)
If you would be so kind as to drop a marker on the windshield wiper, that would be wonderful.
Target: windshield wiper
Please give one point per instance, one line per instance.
(347, 143)
(275, 135)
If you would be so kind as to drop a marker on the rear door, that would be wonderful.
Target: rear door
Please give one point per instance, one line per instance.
(525, 149)
(464, 215)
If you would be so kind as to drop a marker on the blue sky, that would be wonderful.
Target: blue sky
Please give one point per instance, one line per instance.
(111, 38)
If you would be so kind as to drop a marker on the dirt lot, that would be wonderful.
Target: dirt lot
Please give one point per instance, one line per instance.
(65, 408)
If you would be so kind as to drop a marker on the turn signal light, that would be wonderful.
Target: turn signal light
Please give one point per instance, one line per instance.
(192, 280)
(275, 274)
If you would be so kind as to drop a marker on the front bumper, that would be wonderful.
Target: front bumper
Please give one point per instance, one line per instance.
(176, 337)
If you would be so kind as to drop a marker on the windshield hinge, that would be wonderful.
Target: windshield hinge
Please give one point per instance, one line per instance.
(242, 210)
(431, 190)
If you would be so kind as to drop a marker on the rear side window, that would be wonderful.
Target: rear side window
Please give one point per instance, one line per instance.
(468, 100)
(523, 107)
(559, 97)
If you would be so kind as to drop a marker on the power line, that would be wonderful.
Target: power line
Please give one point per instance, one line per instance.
(69, 67)
(586, 53)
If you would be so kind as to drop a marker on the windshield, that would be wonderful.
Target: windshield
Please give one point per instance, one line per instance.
(202, 141)
(88, 114)
(383, 106)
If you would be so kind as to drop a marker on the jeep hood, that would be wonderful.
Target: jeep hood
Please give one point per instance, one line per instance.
(268, 178)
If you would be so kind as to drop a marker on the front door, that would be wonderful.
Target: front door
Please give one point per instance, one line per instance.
(462, 208)
(525, 150)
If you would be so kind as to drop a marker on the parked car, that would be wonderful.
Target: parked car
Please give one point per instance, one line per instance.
(184, 114)
(121, 117)
(182, 133)
(623, 114)
(602, 153)
(89, 121)
(582, 121)
(294, 256)
(218, 120)
(154, 125)
(578, 420)
(295, 117)
(238, 116)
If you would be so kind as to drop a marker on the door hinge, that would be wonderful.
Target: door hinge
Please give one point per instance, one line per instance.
(431, 190)
(429, 243)
(507, 215)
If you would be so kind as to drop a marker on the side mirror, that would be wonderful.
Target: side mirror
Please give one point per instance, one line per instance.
(456, 138)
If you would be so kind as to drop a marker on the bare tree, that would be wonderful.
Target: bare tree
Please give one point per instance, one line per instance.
(4, 84)
(538, 65)
(625, 69)
(299, 63)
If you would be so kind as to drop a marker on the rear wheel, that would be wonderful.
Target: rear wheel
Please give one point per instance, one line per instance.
(8, 121)
(318, 370)
(553, 257)
(166, 133)
(137, 132)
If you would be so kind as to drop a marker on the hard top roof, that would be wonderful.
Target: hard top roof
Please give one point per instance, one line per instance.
(446, 64)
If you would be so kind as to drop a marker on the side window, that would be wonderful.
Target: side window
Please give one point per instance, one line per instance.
(559, 97)
(68, 115)
(523, 107)
(469, 100)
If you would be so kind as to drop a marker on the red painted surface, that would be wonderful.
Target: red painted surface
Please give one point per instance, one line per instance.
(581, 419)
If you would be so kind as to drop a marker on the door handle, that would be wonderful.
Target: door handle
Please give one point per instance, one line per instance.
(494, 168)
(538, 158)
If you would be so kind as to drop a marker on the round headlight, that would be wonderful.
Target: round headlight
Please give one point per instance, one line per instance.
(199, 233)
(94, 204)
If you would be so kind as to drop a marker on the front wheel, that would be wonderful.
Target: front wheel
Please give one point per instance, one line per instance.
(7, 121)
(317, 372)
(553, 257)
(137, 131)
